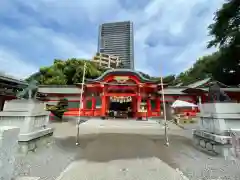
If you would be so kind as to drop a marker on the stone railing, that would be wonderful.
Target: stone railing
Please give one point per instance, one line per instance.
(219, 118)
(27, 124)
(8, 148)
(33, 121)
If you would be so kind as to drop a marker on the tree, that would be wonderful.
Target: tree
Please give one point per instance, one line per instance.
(169, 79)
(223, 65)
(225, 29)
(203, 68)
(66, 72)
(226, 35)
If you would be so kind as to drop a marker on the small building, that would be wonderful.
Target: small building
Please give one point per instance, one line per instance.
(195, 93)
(122, 90)
(9, 87)
(198, 91)
(106, 61)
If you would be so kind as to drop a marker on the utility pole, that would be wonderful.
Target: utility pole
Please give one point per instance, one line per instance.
(80, 103)
(164, 113)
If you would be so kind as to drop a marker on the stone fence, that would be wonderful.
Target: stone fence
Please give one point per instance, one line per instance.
(8, 148)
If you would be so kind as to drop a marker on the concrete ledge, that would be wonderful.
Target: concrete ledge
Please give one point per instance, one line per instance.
(34, 135)
(34, 144)
(27, 178)
(23, 114)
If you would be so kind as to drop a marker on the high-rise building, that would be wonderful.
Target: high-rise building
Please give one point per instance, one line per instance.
(117, 39)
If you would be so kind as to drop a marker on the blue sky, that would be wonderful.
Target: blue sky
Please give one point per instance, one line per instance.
(169, 35)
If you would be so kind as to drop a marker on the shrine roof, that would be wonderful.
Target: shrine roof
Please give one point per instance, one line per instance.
(173, 91)
(59, 89)
(124, 72)
(12, 80)
(195, 90)
(205, 83)
(187, 90)
(205, 90)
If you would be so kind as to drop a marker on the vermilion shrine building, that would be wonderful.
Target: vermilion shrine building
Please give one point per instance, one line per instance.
(115, 89)
(122, 89)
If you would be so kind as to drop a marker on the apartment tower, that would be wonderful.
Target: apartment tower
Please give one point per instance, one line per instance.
(117, 39)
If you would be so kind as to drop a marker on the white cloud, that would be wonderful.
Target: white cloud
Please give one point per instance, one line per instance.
(12, 64)
(48, 29)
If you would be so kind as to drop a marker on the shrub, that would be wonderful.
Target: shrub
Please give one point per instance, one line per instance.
(59, 109)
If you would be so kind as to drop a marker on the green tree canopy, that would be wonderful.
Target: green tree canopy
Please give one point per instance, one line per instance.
(203, 68)
(223, 65)
(66, 72)
(226, 35)
(225, 29)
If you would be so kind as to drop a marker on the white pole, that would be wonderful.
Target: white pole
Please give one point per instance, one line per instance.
(164, 112)
(80, 103)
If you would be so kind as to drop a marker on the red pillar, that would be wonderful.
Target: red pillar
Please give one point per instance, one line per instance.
(93, 105)
(103, 105)
(103, 113)
(139, 99)
(158, 105)
(149, 109)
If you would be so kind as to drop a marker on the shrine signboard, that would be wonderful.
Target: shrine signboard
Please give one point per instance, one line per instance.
(121, 79)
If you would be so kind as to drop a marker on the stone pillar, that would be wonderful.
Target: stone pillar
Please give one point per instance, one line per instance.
(8, 148)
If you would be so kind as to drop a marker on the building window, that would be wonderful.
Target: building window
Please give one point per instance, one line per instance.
(153, 105)
(89, 104)
(98, 102)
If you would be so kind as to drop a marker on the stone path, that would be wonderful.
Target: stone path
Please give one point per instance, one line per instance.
(119, 156)
(133, 169)
(120, 150)
(92, 153)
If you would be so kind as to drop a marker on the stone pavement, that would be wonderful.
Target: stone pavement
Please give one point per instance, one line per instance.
(131, 169)
(120, 150)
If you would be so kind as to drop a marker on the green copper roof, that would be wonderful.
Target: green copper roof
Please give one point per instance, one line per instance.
(122, 72)
(13, 80)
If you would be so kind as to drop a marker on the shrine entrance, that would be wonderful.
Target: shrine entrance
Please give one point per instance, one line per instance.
(120, 107)
(121, 94)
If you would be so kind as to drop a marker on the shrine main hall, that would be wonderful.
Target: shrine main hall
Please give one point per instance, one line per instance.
(118, 93)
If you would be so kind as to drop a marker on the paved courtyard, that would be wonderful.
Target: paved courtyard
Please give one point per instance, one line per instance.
(123, 150)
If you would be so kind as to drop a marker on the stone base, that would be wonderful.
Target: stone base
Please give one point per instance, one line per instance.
(34, 144)
(212, 147)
